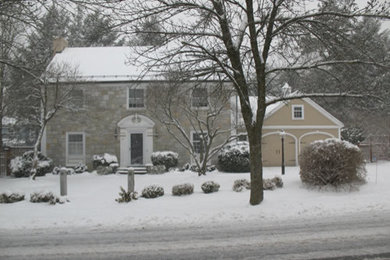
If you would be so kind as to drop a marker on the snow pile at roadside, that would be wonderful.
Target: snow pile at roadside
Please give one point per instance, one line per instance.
(92, 201)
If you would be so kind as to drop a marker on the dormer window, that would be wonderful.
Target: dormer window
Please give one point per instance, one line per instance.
(199, 98)
(136, 98)
(297, 112)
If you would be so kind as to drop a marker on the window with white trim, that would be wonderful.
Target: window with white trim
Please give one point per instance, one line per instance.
(297, 112)
(199, 98)
(242, 137)
(198, 142)
(77, 98)
(136, 98)
(75, 145)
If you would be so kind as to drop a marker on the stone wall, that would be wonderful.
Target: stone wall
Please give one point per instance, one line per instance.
(105, 104)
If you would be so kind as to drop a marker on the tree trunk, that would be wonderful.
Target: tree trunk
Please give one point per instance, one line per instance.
(36, 148)
(256, 166)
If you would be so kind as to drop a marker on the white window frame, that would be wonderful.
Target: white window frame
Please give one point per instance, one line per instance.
(82, 157)
(82, 96)
(128, 98)
(192, 138)
(207, 96)
(293, 110)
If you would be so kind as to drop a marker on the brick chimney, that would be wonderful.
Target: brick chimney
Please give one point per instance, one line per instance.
(59, 44)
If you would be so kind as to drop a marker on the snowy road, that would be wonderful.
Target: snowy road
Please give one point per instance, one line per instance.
(349, 237)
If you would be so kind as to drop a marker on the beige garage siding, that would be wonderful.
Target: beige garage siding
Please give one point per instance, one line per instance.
(272, 150)
(311, 137)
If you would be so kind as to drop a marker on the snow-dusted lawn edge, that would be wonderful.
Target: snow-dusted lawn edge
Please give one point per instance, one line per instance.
(92, 201)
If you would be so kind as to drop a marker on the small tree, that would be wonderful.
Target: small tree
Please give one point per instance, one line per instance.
(191, 113)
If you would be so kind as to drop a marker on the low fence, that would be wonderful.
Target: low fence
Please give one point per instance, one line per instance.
(7, 154)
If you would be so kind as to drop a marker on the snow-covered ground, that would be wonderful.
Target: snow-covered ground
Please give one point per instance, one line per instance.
(92, 201)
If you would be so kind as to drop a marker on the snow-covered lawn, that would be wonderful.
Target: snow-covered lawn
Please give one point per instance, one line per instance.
(92, 201)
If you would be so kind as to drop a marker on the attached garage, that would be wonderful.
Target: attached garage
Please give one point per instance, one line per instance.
(272, 149)
(310, 137)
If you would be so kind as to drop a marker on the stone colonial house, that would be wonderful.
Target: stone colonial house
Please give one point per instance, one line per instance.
(117, 114)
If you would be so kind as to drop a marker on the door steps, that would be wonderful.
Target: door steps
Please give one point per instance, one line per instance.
(137, 170)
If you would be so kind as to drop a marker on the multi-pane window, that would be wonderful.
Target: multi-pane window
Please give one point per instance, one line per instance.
(199, 98)
(297, 111)
(75, 145)
(198, 142)
(136, 98)
(77, 98)
(242, 137)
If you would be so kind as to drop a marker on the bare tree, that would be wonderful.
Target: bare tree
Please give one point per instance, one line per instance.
(195, 115)
(55, 91)
(249, 42)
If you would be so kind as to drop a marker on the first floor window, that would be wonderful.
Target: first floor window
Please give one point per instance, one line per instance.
(198, 142)
(242, 137)
(136, 98)
(75, 148)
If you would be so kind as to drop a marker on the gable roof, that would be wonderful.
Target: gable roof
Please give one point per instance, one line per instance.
(106, 63)
(273, 108)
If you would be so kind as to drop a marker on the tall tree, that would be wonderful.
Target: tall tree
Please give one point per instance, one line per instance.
(247, 41)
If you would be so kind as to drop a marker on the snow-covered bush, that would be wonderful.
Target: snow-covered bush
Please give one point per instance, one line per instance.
(241, 184)
(167, 158)
(104, 170)
(353, 135)
(21, 166)
(80, 168)
(49, 197)
(210, 186)
(278, 181)
(234, 157)
(11, 197)
(268, 184)
(183, 189)
(155, 169)
(152, 191)
(125, 196)
(105, 160)
(332, 162)
(194, 168)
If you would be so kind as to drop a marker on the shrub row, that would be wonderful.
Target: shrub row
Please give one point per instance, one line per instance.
(35, 197)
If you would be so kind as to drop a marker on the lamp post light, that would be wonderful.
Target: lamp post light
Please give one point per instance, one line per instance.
(282, 134)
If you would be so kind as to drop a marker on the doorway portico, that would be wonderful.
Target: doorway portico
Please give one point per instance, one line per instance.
(136, 140)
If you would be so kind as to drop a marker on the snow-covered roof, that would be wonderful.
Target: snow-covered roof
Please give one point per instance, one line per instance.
(105, 63)
(253, 102)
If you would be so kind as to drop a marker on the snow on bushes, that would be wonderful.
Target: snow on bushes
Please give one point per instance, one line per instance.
(57, 170)
(240, 185)
(152, 191)
(125, 196)
(332, 162)
(210, 186)
(21, 166)
(11, 197)
(167, 158)
(183, 189)
(105, 164)
(38, 197)
(268, 184)
(234, 157)
(353, 135)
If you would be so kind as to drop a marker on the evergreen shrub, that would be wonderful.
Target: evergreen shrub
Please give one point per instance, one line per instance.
(183, 189)
(234, 157)
(332, 162)
(152, 191)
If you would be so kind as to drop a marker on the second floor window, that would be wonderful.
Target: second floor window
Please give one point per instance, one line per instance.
(136, 98)
(199, 98)
(297, 112)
